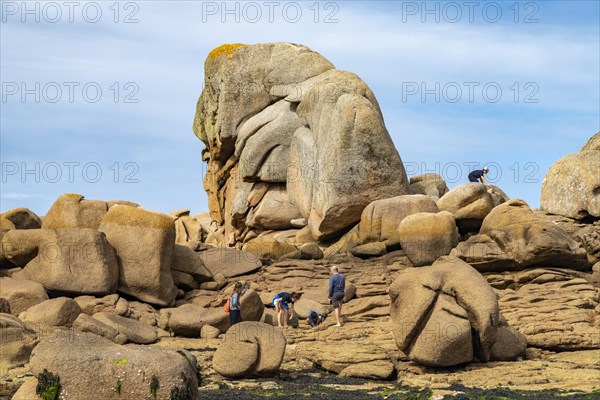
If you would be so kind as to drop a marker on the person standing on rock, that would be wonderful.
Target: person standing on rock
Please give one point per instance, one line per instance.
(477, 175)
(235, 313)
(337, 286)
(283, 302)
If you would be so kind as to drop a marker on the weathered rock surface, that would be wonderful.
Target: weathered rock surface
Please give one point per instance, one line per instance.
(144, 242)
(588, 234)
(21, 294)
(84, 361)
(229, 262)
(186, 260)
(250, 349)
(434, 309)
(113, 303)
(20, 246)
(16, 340)
(556, 309)
(512, 237)
(134, 330)
(85, 323)
(470, 203)
(378, 227)
(313, 134)
(592, 144)
(269, 245)
(73, 211)
(572, 186)
(429, 184)
(425, 237)
(349, 359)
(20, 218)
(61, 311)
(72, 261)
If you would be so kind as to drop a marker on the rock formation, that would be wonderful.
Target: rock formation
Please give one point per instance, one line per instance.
(572, 185)
(287, 143)
(436, 308)
(250, 349)
(302, 175)
(513, 237)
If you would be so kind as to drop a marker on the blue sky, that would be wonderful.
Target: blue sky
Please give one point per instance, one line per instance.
(513, 85)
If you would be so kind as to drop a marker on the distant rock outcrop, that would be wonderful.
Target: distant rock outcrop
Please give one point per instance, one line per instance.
(288, 136)
(572, 185)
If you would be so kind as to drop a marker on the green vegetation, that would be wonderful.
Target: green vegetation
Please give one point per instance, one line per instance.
(154, 386)
(117, 387)
(120, 362)
(327, 387)
(48, 386)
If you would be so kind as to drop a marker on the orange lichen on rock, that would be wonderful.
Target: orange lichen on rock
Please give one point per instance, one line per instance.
(225, 50)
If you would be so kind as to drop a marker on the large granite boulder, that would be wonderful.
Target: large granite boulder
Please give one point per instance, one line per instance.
(16, 340)
(445, 314)
(92, 367)
(20, 246)
(302, 141)
(425, 237)
(572, 185)
(20, 218)
(135, 331)
(73, 211)
(21, 294)
(85, 323)
(61, 311)
(71, 261)
(186, 260)
(378, 227)
(250, 349)
(430, 184)
(229, 262)
(513, 237)
(144, 242)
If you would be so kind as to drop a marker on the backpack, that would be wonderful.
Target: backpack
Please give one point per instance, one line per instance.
(227, 305)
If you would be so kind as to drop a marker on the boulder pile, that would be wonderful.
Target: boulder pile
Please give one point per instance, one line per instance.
(301, 175)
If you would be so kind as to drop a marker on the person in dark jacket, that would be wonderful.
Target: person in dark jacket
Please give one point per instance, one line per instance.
(477, 175)
(283, 302)
(315, 318)
(235, 312)
(337, 286)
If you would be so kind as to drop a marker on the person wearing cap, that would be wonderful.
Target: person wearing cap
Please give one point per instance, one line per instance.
(477, 175)
(337, 286)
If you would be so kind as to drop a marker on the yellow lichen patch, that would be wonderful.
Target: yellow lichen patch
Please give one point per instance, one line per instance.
(71, 196)
(132, 216)
(225, 50)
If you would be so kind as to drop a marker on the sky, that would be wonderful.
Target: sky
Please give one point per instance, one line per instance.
(98, 98)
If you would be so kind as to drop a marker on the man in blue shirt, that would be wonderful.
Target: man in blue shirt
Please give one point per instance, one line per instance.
(337, 286)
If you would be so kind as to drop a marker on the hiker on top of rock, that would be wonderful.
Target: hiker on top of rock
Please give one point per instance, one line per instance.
(235, 313)
(477, 175)
(337, 286)
(283, 302)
